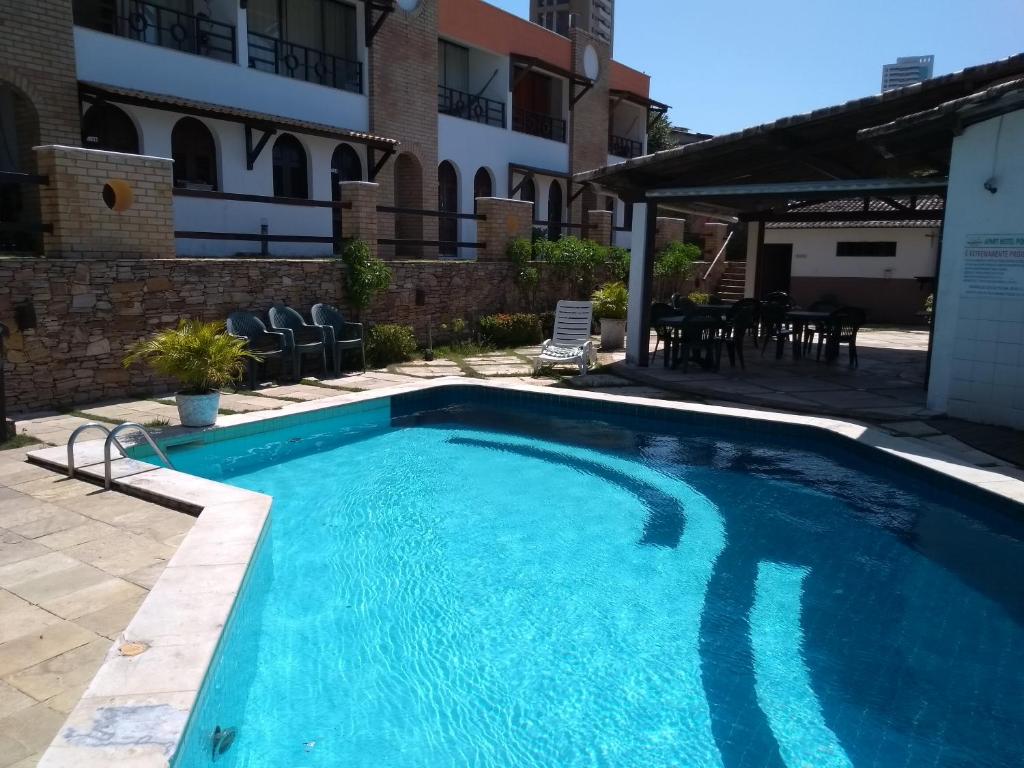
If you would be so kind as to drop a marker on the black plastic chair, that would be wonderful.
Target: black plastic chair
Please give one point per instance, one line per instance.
(265, 345)
(663, 336)
(842, 328)
(700, 334)
(815, 329)
(755, 306)
(775, 326)
(740, 321)
(779, 297)
(342, 336)
(303, 338)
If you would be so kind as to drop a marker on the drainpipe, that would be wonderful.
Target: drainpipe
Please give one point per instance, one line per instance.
(3, 394)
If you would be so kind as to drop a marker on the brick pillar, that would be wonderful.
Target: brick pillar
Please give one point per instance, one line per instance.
(599, 227)
(360, 221)
(715, 233)
(506, 220)
(105, 204)
(669, 231)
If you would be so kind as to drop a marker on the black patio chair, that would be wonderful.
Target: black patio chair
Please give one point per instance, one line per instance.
(342, 336)
(663, 335)
(265, 345)
(739, 306)
(815, 329)
(842, 327)
(775, 326)
(779, 297)
(682, 304)
(303, 338)
(700, 334)
(739, 322)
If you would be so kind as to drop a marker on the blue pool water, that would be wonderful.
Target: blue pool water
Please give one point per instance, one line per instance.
(504, 588)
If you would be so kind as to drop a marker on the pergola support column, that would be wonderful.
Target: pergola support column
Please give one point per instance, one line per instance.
(755, 246)
(641, 278)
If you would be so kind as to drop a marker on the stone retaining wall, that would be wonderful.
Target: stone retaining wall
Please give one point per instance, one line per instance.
(88, 312)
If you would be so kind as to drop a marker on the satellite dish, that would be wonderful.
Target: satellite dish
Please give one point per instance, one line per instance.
(591, 64)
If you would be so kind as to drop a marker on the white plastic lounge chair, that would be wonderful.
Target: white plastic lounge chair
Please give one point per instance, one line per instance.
(571, 344)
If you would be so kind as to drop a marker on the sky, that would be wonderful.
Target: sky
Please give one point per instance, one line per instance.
(727, 66)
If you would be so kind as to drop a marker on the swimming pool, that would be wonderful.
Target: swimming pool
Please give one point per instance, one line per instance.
(461, 577)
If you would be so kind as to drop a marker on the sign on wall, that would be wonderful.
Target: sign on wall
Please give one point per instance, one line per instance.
(993, 266)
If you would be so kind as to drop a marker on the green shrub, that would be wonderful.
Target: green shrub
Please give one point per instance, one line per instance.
(610, 301)
(520, 253)
(367, 275)
(699, 298)
(505, 330)
(676, 260)
(387, 344)
(618, 260)
(543, 249)
(547, 324)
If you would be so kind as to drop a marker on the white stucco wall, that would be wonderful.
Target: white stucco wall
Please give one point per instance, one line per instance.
(978, 360)
(118, 61)
(814, 252)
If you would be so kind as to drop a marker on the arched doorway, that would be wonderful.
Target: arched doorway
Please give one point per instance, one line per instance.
(555, 208)
(105, 126)
(408, 194)
(448, 202)
(195, 155)
(19, 204)
(291, 176)
(345, 166)
(528, 192)
(483, 185)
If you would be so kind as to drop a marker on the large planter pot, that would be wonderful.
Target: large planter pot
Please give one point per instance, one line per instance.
(198, 410)
(613, 333)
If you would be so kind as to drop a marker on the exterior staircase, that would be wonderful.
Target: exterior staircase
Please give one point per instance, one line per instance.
(732, 282)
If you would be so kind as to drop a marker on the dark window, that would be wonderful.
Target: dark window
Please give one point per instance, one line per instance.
(345, 165)
(290, 175)
(528, 192)
(104, 126)
(323, 25)
(482, 185)
(194, 153)
(554, 211)
(452, 66)
(880, 248)
(448, 201)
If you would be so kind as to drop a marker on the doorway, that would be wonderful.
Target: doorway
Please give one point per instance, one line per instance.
(776, 268)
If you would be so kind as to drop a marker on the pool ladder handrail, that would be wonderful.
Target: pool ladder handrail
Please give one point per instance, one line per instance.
(74, 436)
(112, 439)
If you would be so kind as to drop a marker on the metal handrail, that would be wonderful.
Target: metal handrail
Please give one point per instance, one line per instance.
(74, 437)
(721, 253)
(112, 438)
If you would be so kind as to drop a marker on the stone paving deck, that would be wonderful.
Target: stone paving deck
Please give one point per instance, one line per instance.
(75, 564)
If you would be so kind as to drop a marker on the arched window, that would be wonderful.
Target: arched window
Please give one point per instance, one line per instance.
(555, 211)
(104, 126)
(194, 153)
(528, 192)
(482, 184)
(291, 178)
(345, 165)
(448, 202)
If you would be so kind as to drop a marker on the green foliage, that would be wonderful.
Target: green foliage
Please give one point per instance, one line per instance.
(659, 135)
(367, 274)
(676, 260)
(542, 249)
(201, 356)
(387, 344)
(699, 298)
(18, 441)
(618, 260)
(520, 253)
(610, 301)
(505, 330)
(577, 259)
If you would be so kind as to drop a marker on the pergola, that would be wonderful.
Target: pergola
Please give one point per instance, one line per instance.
(782, 171)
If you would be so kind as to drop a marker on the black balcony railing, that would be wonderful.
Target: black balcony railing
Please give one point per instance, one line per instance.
(537, 124)
(268, 54)
(154, 24)
(470, 107)
(620, 146)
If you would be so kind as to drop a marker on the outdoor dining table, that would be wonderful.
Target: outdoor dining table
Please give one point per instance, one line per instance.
(676, 323)
(801, 318)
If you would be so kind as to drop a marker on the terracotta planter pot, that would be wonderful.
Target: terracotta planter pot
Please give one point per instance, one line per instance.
(613, 334)
(198, 410)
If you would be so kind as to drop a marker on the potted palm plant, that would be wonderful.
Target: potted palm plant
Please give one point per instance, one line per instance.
(202, 357)
(610, 302)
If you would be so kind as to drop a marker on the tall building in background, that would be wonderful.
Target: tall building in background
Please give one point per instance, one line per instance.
(594, 16)
(906, 71)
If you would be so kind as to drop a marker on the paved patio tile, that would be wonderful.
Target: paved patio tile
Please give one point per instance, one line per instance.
(28, 650)
(502, 369)
(27, 733)
(68, 670)
(12, 700)
(914, 428)
(302, 392)
(121, 553)
(21, 617)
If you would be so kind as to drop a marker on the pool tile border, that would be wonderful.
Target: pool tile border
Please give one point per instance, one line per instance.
(135, 710)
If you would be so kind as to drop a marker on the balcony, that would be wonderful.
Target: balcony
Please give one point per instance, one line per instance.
(279, 57)
(469, 107)
(156, 25)
(538, 124)
(620, 146)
